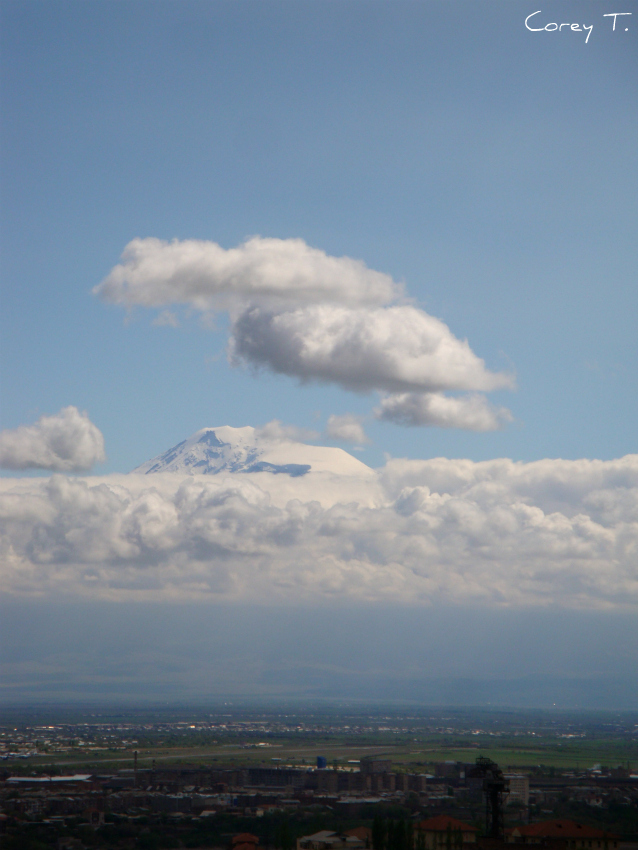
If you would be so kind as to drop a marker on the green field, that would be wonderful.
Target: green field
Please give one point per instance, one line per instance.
(414, 738)
(413, 756)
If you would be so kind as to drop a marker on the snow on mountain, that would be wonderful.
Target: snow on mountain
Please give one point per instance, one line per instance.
(225, 449)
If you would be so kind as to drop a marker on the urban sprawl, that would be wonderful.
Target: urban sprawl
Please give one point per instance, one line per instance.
(335, 783)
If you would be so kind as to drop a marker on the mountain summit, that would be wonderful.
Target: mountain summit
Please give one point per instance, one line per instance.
(225, 449)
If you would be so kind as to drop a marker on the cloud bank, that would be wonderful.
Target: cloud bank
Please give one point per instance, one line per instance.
(66, 442)
(498, 533)
(299, 312)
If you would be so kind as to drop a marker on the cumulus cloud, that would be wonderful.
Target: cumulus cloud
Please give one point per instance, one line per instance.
(549, 533)
(202, 274)
(346, 428)
(297, 311)
(67, 442)
(472, 412)
(392, 348)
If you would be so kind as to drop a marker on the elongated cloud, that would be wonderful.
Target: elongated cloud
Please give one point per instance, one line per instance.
(391, 348)
(297, 311)
(204, 275)
(550, 533)
(472, 412)
(67, 442)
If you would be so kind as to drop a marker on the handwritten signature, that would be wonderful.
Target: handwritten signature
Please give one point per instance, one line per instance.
(555, 27)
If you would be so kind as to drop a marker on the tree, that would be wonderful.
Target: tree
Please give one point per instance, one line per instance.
(389, 839)
(399, 835)
(284, 836)
(409, 835)
(379, 833)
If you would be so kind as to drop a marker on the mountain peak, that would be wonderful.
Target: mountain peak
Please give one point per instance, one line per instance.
(227, 449)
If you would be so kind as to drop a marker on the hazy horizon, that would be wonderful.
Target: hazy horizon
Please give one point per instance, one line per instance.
(443, 656)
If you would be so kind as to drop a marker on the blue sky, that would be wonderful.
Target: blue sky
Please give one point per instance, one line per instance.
(486, 176)
(489, 168)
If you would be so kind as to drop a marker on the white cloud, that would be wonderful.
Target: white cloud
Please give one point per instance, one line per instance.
(392, 348)
(276, 432)
(202, 274)
(472, 412)
(297, 311)
(346, 428)
(549, 533)
(67, 442)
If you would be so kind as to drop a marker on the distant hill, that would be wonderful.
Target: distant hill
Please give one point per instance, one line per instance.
(226, 449)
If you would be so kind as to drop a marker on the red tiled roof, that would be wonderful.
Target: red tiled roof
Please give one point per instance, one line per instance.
(562, 829)
(362, 832)
(441, 823)
(245, 838)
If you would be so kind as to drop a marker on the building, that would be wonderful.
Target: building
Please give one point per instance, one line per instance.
(364, 833)
(443, 831)
(518, 789)
(563, 833)
(245, 841)
(326, 840)
(372, 765)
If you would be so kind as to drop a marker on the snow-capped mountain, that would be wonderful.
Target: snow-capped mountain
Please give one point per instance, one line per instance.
(226, 449)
